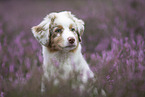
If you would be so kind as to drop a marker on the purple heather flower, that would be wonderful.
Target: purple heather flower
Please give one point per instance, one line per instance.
(11, 68)
(133, 53)
(28, 76)
(108, 77)
(141, 56)
(2, 94)
(93, 56)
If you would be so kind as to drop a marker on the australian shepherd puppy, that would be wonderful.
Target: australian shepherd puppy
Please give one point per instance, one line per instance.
(60, 37)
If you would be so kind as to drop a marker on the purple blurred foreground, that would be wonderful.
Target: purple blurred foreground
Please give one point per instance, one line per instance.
(113, 45)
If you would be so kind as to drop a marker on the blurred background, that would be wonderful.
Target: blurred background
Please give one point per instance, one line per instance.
(113, 45)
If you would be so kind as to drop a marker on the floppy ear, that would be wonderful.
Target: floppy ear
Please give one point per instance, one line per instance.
(80, 25)
(41, 31)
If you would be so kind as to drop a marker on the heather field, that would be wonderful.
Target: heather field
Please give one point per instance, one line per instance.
(113, 44)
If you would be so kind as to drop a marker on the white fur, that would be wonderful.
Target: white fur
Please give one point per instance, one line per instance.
(67, 62)
(66, 22)
(63, 60)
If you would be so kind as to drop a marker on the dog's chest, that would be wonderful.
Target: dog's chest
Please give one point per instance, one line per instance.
(61, 65)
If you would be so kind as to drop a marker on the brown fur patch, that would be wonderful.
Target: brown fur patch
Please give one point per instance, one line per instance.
(55, 41)
(71, 26)
(55, 44)
(38, 29)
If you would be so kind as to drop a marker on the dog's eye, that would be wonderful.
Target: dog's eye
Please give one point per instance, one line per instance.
(73, 29)
(58, 30)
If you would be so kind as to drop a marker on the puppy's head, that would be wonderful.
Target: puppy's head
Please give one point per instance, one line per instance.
(59, 31)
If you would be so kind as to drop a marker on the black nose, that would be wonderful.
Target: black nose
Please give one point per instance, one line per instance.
(71, 40)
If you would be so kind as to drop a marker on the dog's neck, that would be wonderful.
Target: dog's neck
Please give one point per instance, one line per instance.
(61, 56)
